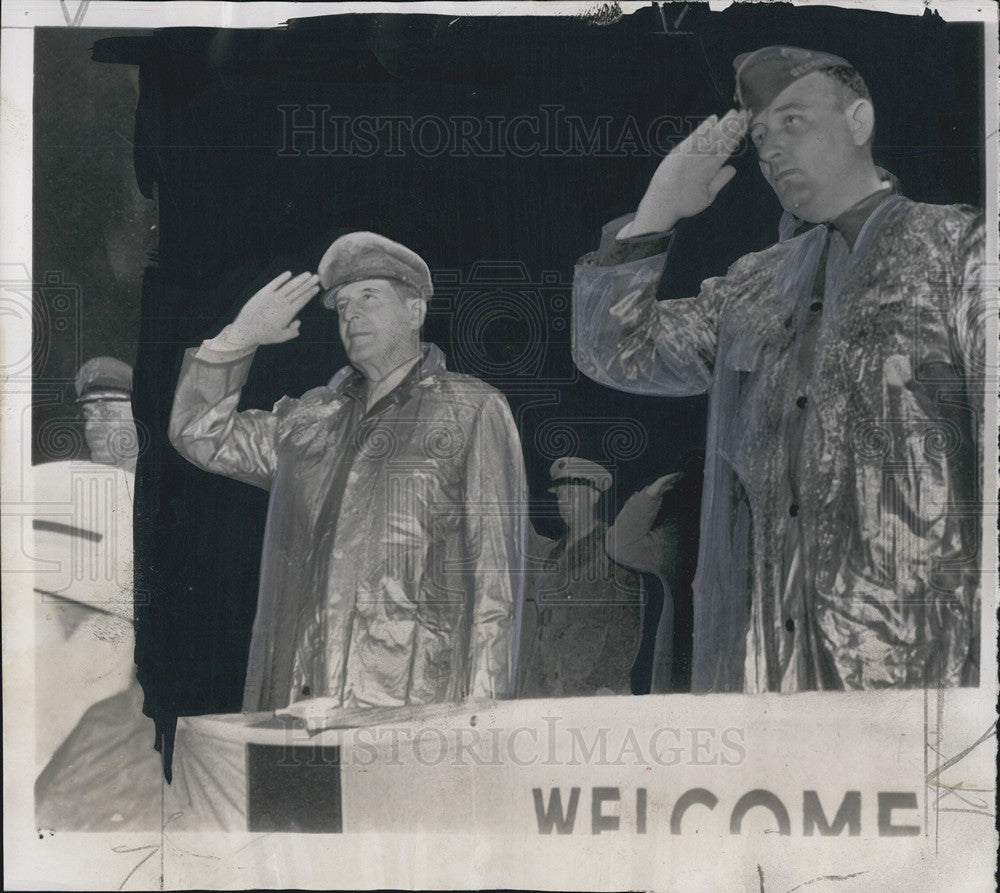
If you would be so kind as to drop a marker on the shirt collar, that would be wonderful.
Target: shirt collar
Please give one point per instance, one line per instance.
(850, 222)
(351, 383)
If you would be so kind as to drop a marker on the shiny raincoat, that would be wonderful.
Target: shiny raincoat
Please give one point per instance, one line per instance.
(886, 521)
(393, 553)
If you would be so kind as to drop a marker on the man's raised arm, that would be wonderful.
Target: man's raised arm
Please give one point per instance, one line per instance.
(205, 427)
(624, 338)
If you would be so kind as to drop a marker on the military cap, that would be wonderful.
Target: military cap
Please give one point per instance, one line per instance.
(103, 378)
(359, 256)
(573, 470)
(764, 73)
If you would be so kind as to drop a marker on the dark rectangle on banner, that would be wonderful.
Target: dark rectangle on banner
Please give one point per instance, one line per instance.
(294, 789)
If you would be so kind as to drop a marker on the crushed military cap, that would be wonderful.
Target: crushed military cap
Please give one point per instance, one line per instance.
(764, 73)
(103, 378)
(359, 256)
(573, 470)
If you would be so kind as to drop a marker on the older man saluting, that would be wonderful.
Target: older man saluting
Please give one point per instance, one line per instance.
(840, 528)
(393, 553)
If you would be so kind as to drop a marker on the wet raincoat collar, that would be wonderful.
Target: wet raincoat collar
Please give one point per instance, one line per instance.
(351, 383)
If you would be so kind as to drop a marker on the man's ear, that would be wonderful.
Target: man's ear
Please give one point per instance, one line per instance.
(418, 310)
(861, 119)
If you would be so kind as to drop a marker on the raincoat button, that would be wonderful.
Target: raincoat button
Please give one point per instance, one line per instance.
(306, 691)
(790, 625)
(816, 306)
(802, 401)
(793, 509)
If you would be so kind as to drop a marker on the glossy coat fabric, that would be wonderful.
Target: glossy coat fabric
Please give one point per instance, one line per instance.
(589, 620)
(393, 556)
(882, 539)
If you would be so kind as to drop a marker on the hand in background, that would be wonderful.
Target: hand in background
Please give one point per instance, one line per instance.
(663, 484)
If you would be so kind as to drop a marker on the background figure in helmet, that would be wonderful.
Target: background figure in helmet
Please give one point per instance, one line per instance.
(98, 772)
(588, 609)
(104, 393)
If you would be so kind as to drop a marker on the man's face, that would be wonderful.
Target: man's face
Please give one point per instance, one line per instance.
(807, 148)
(376, 324)
(577, 504)
(110, 431)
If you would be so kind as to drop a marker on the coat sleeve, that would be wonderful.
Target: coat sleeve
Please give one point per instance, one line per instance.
(624, 338)
(628, 540)
(968, 317)
(496, 543)
(206, 429)
(968, 322)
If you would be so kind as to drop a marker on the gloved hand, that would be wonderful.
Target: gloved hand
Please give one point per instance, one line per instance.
(663, 484)
(269, 316)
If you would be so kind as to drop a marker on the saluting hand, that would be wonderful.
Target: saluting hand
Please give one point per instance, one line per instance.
(691, 176)
(269, 316)
(663, 484)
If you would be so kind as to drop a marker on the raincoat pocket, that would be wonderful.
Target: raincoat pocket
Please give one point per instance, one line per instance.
(741, 397)
(382, 643)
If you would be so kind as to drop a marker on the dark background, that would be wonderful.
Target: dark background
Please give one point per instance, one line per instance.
(141, 262)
